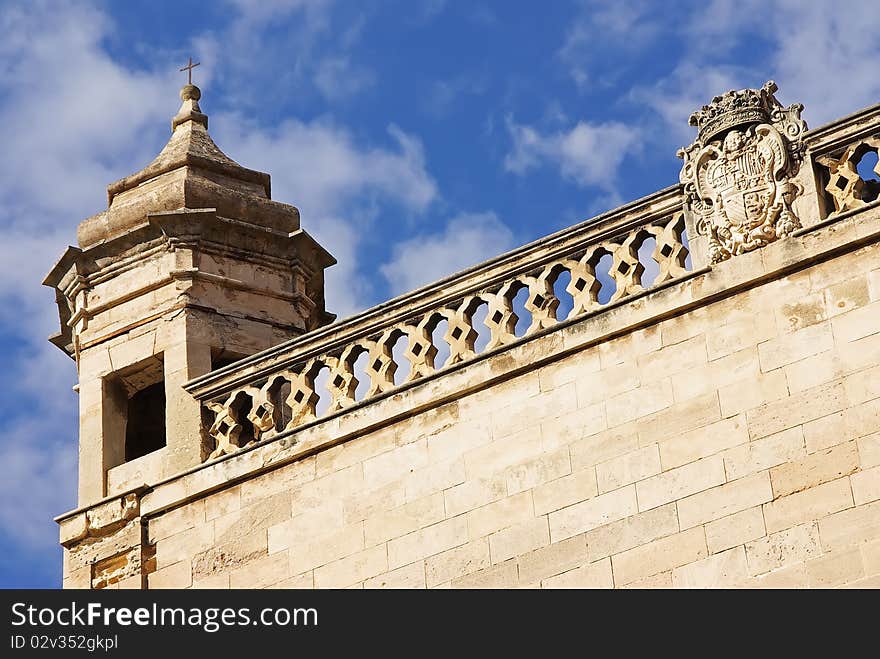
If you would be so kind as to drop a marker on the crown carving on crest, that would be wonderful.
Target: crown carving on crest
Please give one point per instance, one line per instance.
(735, 108)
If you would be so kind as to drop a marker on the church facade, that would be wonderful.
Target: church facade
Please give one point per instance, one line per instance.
(681, 392)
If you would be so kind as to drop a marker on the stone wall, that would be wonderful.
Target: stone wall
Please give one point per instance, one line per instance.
(719, 439)
(714, 424)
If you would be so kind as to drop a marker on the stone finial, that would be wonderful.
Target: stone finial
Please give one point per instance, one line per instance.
(189, 110)
(190, 146)
(190, 93)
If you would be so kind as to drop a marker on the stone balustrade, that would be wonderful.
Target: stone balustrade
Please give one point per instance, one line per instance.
(559, 279)
(847, 187)
(845, 155)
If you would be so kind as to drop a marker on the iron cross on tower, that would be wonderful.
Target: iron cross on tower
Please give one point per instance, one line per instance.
(189, 70)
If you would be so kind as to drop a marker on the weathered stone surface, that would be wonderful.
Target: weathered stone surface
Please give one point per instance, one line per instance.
(735, 529)
(593, 575)
(659, 555)
(710, 428)
(722, 570)
(628, 468)
(724, 500)
(593, 513)
(680, 482)
(631, 532)
(813, 503)
(719, 173)
(559, 557)
(452, 563)
(783, 548)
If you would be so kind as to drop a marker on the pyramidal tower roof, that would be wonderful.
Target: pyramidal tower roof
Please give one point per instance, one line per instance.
(237, 252)
(191, 172)
(190, 146)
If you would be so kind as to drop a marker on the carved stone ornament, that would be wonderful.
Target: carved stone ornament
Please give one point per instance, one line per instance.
(738, 174)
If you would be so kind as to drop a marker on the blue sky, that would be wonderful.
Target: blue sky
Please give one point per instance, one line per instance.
(417, 137)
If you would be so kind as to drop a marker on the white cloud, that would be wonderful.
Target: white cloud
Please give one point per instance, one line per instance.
(338, 185)
(67, 111)
(588, 154)
(312, 48)
(601, 32)
(466, 240)
(71, 121)
(38, 452)
(689, 87)
(443, 95)
(318, 165)
(306, 40)
(827, 60)
(338, 78)
(263, 11)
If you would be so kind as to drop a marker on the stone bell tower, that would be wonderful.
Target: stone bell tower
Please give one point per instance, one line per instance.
(191, 266)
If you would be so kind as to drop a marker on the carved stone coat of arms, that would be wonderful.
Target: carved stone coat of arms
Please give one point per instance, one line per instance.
(739, 173)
